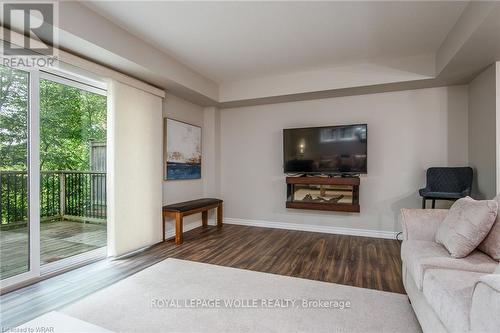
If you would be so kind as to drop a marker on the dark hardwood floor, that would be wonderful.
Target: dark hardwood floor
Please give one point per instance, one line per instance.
(356, 261)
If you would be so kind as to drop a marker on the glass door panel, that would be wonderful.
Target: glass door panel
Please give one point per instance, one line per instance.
(72, 169)
(14, 189)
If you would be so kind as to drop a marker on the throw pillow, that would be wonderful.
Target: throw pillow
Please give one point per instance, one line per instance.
(491, 244)
(466, 225)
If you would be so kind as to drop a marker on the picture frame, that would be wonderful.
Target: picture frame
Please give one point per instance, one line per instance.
(182, 150)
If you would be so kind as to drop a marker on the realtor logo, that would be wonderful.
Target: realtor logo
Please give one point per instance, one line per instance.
(29, 38)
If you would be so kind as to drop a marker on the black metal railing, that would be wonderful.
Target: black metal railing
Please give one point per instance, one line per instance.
(13, 196)
(71, 195)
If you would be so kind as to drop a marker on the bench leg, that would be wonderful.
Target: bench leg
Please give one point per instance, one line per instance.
(178, 228)
(219, 216)
(204, 218)
(423, 203)
(433, 203)
(163, 226)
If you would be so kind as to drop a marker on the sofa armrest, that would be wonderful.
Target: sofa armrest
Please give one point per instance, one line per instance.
(421, 224)
(485, 309)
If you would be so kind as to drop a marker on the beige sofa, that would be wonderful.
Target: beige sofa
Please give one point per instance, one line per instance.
(447, 294)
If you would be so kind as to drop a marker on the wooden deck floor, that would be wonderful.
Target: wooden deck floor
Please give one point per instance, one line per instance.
(58, 240)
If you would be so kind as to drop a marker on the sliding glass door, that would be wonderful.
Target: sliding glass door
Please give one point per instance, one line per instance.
(72, 168)
(14, 161)
(52, 172)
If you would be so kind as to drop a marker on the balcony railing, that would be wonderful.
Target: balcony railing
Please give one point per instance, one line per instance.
(66, 195)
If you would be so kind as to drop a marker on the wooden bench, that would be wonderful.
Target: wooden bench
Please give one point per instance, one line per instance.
(181, 209)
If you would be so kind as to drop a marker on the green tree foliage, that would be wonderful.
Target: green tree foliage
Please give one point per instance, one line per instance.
(70, 119)
(13, 119)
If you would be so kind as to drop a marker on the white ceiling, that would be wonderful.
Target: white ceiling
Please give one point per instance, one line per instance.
(229, 41)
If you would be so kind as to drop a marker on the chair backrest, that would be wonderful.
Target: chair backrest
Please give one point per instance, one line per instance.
(450, 179)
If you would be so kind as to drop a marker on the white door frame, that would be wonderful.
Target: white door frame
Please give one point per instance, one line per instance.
(33, 185)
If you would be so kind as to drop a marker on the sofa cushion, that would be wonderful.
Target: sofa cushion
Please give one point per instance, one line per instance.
(491, 244)
(466, 225)
(485, 309)
(449, 293)
(420, 256)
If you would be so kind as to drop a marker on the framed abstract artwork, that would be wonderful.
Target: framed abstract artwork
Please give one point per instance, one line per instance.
(182, 153)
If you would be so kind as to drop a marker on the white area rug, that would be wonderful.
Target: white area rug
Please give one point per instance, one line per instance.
(56, 322)
(184, 296)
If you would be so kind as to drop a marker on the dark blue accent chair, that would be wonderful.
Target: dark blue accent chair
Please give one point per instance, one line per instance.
(446, 184)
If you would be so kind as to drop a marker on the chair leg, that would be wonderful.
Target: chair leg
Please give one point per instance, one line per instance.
(423, 203)
(433, 203)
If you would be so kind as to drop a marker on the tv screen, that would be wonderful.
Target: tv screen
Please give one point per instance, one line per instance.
(329, 150)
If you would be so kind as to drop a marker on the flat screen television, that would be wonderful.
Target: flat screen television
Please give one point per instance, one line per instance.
(326, 150)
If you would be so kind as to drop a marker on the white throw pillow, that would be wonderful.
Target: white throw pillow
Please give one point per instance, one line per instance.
(466, 225)
(491, 244)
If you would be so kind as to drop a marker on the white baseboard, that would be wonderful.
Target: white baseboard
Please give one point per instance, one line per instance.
(313, 228)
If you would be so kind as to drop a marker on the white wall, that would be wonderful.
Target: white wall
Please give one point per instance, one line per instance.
(483, 133)
(497, 64)
(408, 132)
(182, 190)
(211, 152)
(209, 185)
(134, 169)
